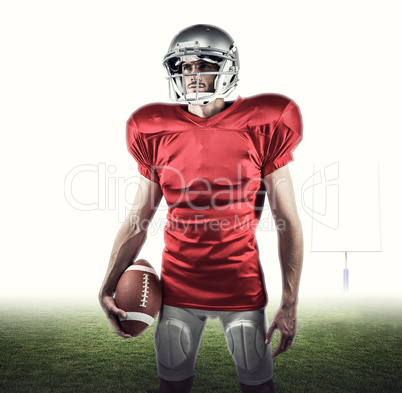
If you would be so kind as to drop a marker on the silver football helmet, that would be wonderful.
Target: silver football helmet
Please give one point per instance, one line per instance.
(208, 43)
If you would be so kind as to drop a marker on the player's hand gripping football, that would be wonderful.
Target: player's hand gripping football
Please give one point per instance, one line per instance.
(113, 313)
(286, 323)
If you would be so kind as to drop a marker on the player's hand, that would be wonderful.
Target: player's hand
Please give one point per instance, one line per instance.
(286, 323)
(113, 313)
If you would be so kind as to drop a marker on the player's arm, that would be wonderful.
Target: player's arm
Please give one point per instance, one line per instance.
(127, 246)
(290, 237)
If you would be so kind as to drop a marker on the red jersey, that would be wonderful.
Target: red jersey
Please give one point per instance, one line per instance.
(210, 172)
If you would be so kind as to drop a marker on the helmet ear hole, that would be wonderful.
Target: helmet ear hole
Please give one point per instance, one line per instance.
(174, 64)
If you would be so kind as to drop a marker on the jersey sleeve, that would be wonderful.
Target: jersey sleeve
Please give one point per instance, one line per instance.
(138, 149)
(285, 137)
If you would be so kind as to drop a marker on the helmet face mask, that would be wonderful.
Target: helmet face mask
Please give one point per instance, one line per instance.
(207, 43)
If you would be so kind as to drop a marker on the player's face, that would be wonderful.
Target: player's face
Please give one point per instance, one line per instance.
(206, 82)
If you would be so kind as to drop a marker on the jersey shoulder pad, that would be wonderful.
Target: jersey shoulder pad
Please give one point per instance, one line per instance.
(152, 118)
(266, 108)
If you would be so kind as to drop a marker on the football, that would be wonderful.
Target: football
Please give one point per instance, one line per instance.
(139, 293)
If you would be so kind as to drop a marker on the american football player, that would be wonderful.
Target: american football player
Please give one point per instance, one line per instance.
(213, 160)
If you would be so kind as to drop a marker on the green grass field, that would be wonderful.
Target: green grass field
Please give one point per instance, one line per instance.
(68, 346)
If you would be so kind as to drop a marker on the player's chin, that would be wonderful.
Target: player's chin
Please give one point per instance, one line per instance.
(203, 90)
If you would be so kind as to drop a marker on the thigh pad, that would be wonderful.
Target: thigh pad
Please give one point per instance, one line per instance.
(173, 342)
(246, 343)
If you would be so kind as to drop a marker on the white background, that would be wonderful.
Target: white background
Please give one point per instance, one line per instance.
(73, 71)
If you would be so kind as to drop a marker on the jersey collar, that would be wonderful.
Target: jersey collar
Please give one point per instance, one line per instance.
(208, 122)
